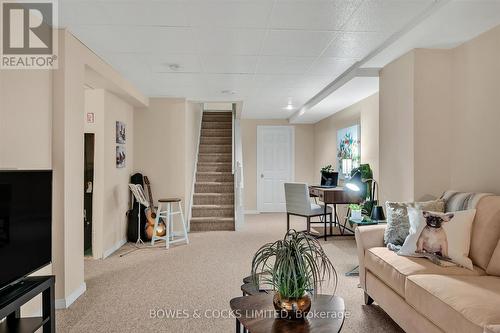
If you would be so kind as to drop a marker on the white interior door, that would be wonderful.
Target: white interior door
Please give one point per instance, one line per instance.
(275, 162)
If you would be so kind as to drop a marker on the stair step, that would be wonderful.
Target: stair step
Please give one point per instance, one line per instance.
(213, 148)
(213, 187)
(215, 140)
(218, 113)
(213, 211)
(214, 167)
(212, 223)
(213, 199)
(216, 125)
(217, 157)
(219, 118)
(210, 132)
(214, 177)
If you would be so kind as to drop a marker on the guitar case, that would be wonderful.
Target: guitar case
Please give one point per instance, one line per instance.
(132, 214)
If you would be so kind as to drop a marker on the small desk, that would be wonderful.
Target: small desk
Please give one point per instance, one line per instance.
(334, 196)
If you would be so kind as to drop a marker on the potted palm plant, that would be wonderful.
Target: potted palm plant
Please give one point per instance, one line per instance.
(295, 267)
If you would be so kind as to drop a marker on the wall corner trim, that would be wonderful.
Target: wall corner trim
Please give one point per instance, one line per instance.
(251, 212)
(114, 248)
(64, 303)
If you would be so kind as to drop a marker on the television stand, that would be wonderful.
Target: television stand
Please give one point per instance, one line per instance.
(18, 294)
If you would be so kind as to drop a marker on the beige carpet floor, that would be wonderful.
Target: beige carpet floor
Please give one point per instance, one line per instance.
(204, 275)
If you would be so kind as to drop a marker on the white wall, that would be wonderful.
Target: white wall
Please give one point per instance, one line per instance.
(304, 155)
(364, 113)
(475, 110)
(439, 121)
(26, 119)
(396, 130)
(111, 193)
(42, 126)
(166, 136)
(194, 113)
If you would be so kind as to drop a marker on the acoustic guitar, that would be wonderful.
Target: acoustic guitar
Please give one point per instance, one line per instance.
(151, 216)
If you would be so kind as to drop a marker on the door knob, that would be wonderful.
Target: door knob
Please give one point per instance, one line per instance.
(261, 175)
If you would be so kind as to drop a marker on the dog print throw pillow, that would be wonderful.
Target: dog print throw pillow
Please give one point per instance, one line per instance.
(444, 238)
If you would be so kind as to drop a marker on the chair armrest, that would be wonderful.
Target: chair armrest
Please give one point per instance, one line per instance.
(366, 238)
(370, 236)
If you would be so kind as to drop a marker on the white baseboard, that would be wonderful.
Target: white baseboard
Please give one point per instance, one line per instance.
(113, 249)
(64, 303)
(251, 212)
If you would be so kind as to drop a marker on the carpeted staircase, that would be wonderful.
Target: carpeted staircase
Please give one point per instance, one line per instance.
(213, 198)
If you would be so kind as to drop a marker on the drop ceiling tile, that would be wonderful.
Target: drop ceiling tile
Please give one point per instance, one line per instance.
(227, 86)
(312, 15)
(129, 63)
(80, 13)
(283, 65)
(267, 82)
(177, 84)
(263, 110)
(331, 66)
(234, 82)
(160, 63)
(172, 40)
(229, 64)
(235, 14)
(312, 84)
(229, 41)
(135, 39)
(118, 39)
(385, 15)
(150, 13)
(296, 42)
(355, 44)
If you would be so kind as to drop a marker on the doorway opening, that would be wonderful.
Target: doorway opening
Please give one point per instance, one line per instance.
(88, 193)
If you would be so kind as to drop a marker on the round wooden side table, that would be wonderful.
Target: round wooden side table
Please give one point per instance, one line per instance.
(257, 315)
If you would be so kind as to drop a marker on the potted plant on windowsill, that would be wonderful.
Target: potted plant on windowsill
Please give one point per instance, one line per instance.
(295, 268)
(328, 176)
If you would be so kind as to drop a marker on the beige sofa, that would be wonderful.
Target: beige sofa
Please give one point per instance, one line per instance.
(423, 297)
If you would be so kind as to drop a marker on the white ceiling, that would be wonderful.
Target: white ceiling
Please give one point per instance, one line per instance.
(351, 92)
(263, 52)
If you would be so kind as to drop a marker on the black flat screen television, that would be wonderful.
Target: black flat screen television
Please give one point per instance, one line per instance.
(25, 223)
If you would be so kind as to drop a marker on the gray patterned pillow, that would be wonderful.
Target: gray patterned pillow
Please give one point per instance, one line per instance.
(398, 223)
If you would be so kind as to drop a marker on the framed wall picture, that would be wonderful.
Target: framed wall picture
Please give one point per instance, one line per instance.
(120, 132)
(348, 149)
(121, 156)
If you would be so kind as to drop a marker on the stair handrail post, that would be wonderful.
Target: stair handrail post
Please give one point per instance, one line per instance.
(233, 136)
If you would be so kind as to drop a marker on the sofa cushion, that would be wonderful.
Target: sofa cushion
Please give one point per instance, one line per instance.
(494, 265)
(492, 329)
(398, 224)
(456, 303)
(393, 269)
(485, 231)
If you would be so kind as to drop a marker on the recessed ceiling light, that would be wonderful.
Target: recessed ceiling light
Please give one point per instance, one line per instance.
(288, 107)
(174, 67)
(228, 92)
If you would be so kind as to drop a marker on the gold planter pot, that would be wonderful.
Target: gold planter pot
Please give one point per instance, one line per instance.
(292, 308)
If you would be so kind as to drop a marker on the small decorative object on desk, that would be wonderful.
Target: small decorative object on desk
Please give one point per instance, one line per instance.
(328, 176)
(295, 268)
(356, 211)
